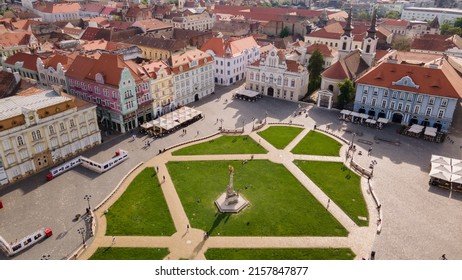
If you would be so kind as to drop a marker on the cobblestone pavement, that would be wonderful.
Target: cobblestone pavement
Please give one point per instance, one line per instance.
(190, 245)
(419, 222)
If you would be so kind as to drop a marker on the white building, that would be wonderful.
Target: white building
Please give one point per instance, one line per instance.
(40, 127)
(428, 14)
(275, 76)
(52, 71)
(231, 58)
(191, 20)
(52, 12)
(193, 76)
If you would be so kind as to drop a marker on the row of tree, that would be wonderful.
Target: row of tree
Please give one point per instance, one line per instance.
(455, 28)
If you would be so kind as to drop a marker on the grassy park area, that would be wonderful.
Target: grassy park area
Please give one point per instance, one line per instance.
(120, 253)
(341, 184)
(223, 145)
(316, 143)
(141, 210)
(280, 136)
(280, 254)
(279, 204)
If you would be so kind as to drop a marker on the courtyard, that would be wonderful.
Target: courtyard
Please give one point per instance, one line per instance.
(413, 227)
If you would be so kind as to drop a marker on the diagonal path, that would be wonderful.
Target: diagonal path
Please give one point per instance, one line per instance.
(189, 244)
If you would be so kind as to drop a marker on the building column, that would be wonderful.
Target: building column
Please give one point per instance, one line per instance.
(330, 102)
(319, 100)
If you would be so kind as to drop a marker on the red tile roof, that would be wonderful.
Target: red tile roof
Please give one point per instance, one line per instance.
(92, 8)
(325, 50)
(65, 60)
(442, 81)
(107, 11)
(55, 8)
(437, 43)
(14, 38)
(30, 60)
(219, 45)
(350, 67)
(395, 22)
(90, 33)
(184, 59)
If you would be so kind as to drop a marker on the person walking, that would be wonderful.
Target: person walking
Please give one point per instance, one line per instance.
(187, 228)
(133, 137)
(369, 151)
(328, 202)
(113, 240)
(163, 177)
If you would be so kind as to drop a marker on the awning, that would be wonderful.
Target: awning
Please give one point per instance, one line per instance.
(383, 120)
(456, 178)
(415, 128)
(441, 159)
(430, 131)
(354, 114)
(248, 93)
(345, 112)
(364, 116)
(441, 167)
(440, 175)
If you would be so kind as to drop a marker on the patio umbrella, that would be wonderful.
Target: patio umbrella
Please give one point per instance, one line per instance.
(441, 159)
(440, 175)
(441, 167)
(456, 178)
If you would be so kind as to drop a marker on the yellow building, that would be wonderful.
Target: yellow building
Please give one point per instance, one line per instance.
(162, 87)
(41, 127)
(156, 48)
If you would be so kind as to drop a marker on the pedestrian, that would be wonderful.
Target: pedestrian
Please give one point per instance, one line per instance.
(157, 168)
(133, 137)
(187, 228)
(443, 257)
(206, 235)
(217, 122)
(163, 178)
(328, 202)
(369, 151)
(113, 240)
(149, 144)
(198, 132)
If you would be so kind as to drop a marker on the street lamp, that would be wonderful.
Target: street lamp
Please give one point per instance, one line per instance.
(243, 125)
(221, 121)
(253, 123)
(82, 232)
(87, 197)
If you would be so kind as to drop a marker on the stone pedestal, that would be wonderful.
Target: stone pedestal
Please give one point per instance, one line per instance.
(233, 204)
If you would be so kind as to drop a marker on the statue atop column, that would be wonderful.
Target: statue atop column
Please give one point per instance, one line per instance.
(231, 195)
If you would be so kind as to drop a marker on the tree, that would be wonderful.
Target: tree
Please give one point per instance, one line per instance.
(315, 66)
(458, 22)
(401, 43)
(284, 32)
(363, 15)
(347, 90)
(393, 15)
(444, 28)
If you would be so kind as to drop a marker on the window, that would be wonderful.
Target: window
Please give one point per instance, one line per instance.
(392, 105)
(61, 126)
(6, 144)
(444, 102)
(441, 113)
(400, 106)
(385, 93)
(10, 158)
(24, 154)
(34, 136)
(431, 101)
(374, 101)
(416, 109)
(71, 122)
(407, 108)
(384, 103)
(279, 81)
(429, 111)
(420, 98)
(20, 141)
(286, 81)
(292, 83)
(409, 96)
(364, 99)
(257, 77)
(395, 94)
(51, 129)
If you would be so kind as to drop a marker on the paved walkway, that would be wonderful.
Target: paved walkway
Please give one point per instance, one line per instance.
(191, 245)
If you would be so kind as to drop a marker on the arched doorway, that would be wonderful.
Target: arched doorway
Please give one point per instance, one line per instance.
(437, 125)
(362, 111)
(397, 117)
(331, 88)
(371, 113)
(270, 91)
(196, 97)
(382, 115)
(425, 122)
(414, 120)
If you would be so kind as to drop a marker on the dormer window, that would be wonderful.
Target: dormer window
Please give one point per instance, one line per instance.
(444, 102)
(99, 78)
(431, 101)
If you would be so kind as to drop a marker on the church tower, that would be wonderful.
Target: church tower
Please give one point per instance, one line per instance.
(181, 5)
(346, 39)
(369, 45)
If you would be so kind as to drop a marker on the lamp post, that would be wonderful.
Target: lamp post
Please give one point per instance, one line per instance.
(221, 121)
(82, 232)
(253, 123)
(87, 197)
(243, 125)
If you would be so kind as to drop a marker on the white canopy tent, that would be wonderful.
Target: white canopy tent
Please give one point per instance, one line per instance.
(446, 176)
(383, 120)
(364, 116)
(345, 112)
(248, 93)
(440, 159)
(446, 169)
(173, 119)
(431, 131)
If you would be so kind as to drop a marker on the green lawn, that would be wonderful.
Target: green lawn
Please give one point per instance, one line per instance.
(339, 183)
(279, 204)
(315, 143)
(141, 210)
(280, 254)
(223, 145)
(120, 253)
(280, 136)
